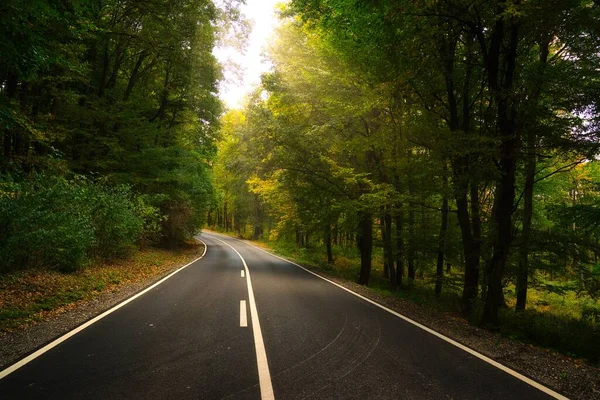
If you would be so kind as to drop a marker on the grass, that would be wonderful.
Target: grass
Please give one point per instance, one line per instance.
(30, 296)
(564, 322)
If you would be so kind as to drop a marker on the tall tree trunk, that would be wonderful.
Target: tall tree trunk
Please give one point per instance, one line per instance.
(226, 216)
(471, 258)
(386, 266)
(387, 244)
(476, 224)
(399, 220)
(365, 246)
(299, 237)
(134, 75)
(411, 242)
(509, 151)
(258, 230)
(442, 236)
(328, 243)
(335, 234)
(523, 271)
(461, 164)
(164, 98)
(530, 168)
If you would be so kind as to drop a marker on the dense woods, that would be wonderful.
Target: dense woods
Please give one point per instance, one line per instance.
(108, 113)
(449, 146)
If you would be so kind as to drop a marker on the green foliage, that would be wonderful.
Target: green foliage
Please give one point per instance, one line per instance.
(574, 336)
(115, 221)
(122, 91)
(46, 225)
(62, 224)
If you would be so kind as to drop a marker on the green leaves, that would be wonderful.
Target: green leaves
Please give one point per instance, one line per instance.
(62, 224)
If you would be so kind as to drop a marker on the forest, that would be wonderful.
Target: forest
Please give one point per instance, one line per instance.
(443, 151)
(109, 114)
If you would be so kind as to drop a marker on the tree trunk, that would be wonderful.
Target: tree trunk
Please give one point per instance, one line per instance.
(530, 168)
(335, 235)
(365, 246)
(386, 266)
(134, 75)
(411, 242)
(471, 258)
(389, 254)
(442, 237)
(509, 150)
(328, 244)
(476, 224)
(399, 220)
(298, 236)
(164, 98)
(225, 214)
(258, 230)
(523, 271)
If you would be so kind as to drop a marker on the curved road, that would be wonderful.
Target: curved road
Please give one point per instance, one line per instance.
(208, 332)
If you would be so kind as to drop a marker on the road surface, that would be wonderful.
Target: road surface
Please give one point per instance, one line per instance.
(220, 329)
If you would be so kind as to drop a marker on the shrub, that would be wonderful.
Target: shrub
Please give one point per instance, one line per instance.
(57, 223)
(44, 223)
(570, 335)
(115, 221)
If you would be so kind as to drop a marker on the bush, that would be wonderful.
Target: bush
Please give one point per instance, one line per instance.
(52, 222)
(42, 224)
(115, 221)
(573, 336)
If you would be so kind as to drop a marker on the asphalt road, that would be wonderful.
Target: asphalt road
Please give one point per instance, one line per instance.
(305, 338)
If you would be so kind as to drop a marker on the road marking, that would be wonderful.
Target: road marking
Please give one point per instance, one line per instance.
(453, 342)
(243, 318)
(75, 331)
(242, 271)
(264, 376)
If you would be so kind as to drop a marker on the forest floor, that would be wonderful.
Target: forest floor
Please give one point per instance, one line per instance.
(575, 377)
(38, 305)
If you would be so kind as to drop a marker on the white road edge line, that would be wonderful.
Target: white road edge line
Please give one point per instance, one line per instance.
(75, 331)
(243, 317)
(242, 273)
(482, 357)
(264, 376)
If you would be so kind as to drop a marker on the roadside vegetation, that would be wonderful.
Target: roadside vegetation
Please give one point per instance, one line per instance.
(443, 152)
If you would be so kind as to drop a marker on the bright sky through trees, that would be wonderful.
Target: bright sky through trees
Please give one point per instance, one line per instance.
(243, 70)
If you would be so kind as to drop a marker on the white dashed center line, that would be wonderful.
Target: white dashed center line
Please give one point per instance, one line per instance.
(243, 314)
